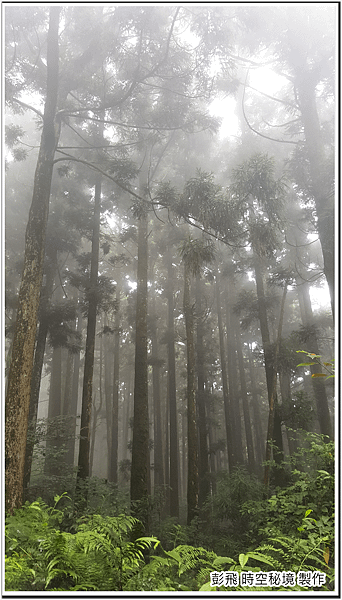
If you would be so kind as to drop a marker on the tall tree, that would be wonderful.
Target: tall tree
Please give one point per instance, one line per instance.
(195, 253)
(87, 398)
(19, 376)
(140, 471)
(174, 453)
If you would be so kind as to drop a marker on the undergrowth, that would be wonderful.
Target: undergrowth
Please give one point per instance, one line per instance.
(51, 548)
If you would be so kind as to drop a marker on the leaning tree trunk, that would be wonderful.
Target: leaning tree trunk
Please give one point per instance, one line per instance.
(140, 476)
(20, 372)
(87, 391)
(193, 482)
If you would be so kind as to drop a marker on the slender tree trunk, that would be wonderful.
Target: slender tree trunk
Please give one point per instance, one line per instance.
(87, 400)
(202, 421)
(20, 372)
(38, 366)
(245, 405)
(174, 495)
(318, 385)
(232, 383)
(305, 83)
(259, 436)
(271, 417)
(71, 410)
(108, 388)
(269, 364)
(54, 435)
(140, 447)
(157, 428)
(224, 377)
(193, 482)
(113, 473)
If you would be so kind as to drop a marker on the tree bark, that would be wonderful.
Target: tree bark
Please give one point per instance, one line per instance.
(193, 481)
(157, 427)
(87, 400)
(174, 467)
(140, 446)
(306, 80)
(20, 372)
(113, 462)
(318, 385)
(234, 399)
(71, 409)
(268, 358)
(271, 416)
(258, 433)
(224, 377)
(244, 397)
(202, 421)
(46, 294)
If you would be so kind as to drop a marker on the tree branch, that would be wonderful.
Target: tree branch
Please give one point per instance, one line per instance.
(24, 105)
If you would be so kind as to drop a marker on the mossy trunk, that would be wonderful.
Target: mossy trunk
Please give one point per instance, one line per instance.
(20, 371)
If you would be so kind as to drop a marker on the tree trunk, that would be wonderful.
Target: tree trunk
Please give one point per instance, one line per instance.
(108, 388)
(54, 426)
(20, 372)
(84, 448)
(224, 377)
(113, 470)
(268, 358)
(258, 433)
(140, 446)
(202, 421)
(271, 416)
(38, 366)
(232, 383)
(157, 427)
(245, 406)
(71, 410)
(193, 483)
(305, 83)
(318, 385)
(174, 495)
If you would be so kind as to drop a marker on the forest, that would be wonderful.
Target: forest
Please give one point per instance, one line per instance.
(169, 295)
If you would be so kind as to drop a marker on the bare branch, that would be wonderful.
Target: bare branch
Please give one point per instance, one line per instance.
(24, 105)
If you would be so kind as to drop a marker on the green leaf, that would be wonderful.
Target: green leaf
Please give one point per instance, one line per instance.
(261, 558)
(207, 588)
(306, 364)
(243, 558)
(308, 512)
(221, 560)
